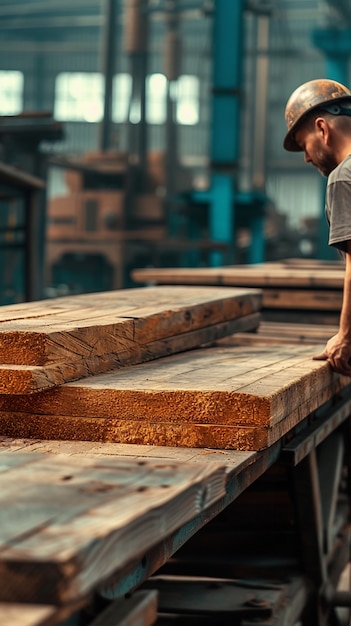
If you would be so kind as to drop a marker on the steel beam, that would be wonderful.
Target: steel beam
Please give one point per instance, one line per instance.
(225, 135)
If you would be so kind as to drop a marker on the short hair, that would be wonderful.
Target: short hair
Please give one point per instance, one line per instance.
(341, 121)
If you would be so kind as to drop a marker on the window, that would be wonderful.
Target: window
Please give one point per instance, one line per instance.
(187, 95)
(11, 92)
(79, 97)
(185, 92)
(122, 90)
(156, 102)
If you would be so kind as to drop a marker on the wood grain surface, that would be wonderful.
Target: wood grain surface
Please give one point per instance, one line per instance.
(257, 275)
(226, 396)
(234, 460)
(50, 342)
(285, 332)
(67, 523)
(294, 290)
(27, 614)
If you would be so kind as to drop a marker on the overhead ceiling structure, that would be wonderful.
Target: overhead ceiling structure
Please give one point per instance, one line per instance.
(292, 54)
(25, 24)
(29, 16)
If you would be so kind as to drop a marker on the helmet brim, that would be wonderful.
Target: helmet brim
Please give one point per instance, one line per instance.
(290, 144)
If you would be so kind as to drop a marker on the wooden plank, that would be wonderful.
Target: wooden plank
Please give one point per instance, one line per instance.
(316, 299)
(49, 330)
(131, 431)
(27, 615)
(301, 332)
(227, 396)
(242, 469)
(47, 343)
(23, 614)
(241, 382)
(66, 524)
(201, 435)
(22, 379)
(234, 460)
(258, 275)
(285, 332)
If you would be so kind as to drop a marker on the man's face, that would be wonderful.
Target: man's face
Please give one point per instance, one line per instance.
(315, 148)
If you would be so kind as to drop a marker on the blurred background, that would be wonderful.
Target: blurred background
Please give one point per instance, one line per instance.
(148, 133)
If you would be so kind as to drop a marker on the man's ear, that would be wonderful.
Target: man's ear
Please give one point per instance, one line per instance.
(322, 128)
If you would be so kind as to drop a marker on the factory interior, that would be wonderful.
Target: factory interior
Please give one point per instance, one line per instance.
(118, 112)
(172, 452)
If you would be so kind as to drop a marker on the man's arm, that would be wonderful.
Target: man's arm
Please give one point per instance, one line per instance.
(338, 349)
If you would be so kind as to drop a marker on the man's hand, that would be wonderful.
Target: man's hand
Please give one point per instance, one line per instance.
(338, 352)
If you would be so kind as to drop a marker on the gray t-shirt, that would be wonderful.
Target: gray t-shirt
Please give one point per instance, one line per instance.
(338, 205)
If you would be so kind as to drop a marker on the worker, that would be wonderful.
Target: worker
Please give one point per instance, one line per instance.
(318, 118)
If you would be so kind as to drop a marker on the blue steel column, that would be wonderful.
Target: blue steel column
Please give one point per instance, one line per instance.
(225, 136)
(336, 45)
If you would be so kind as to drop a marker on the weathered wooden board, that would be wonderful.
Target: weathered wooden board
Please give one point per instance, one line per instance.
(99, 323)
(215, 436)
(291, 298)
(22, 379)
(284, 332)
(23, 614)
(50, 342)
(236, 461)
(291, 291)
(67, 523)
(257, 275)
(27, 615)
(227, 396)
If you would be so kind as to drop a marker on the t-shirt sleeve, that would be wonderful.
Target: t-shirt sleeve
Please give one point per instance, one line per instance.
(339, 215)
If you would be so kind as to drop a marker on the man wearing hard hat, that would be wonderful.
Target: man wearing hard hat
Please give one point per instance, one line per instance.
(318, 117)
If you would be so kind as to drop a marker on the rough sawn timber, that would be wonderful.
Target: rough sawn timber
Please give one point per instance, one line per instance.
(258, 275)
(291, 292)
(50, 342)
(241, 397)
(27, 614)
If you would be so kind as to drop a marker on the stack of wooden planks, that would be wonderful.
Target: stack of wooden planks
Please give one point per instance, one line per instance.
(48, 343)
(140, 366)
(233, 396)
(293, 290)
